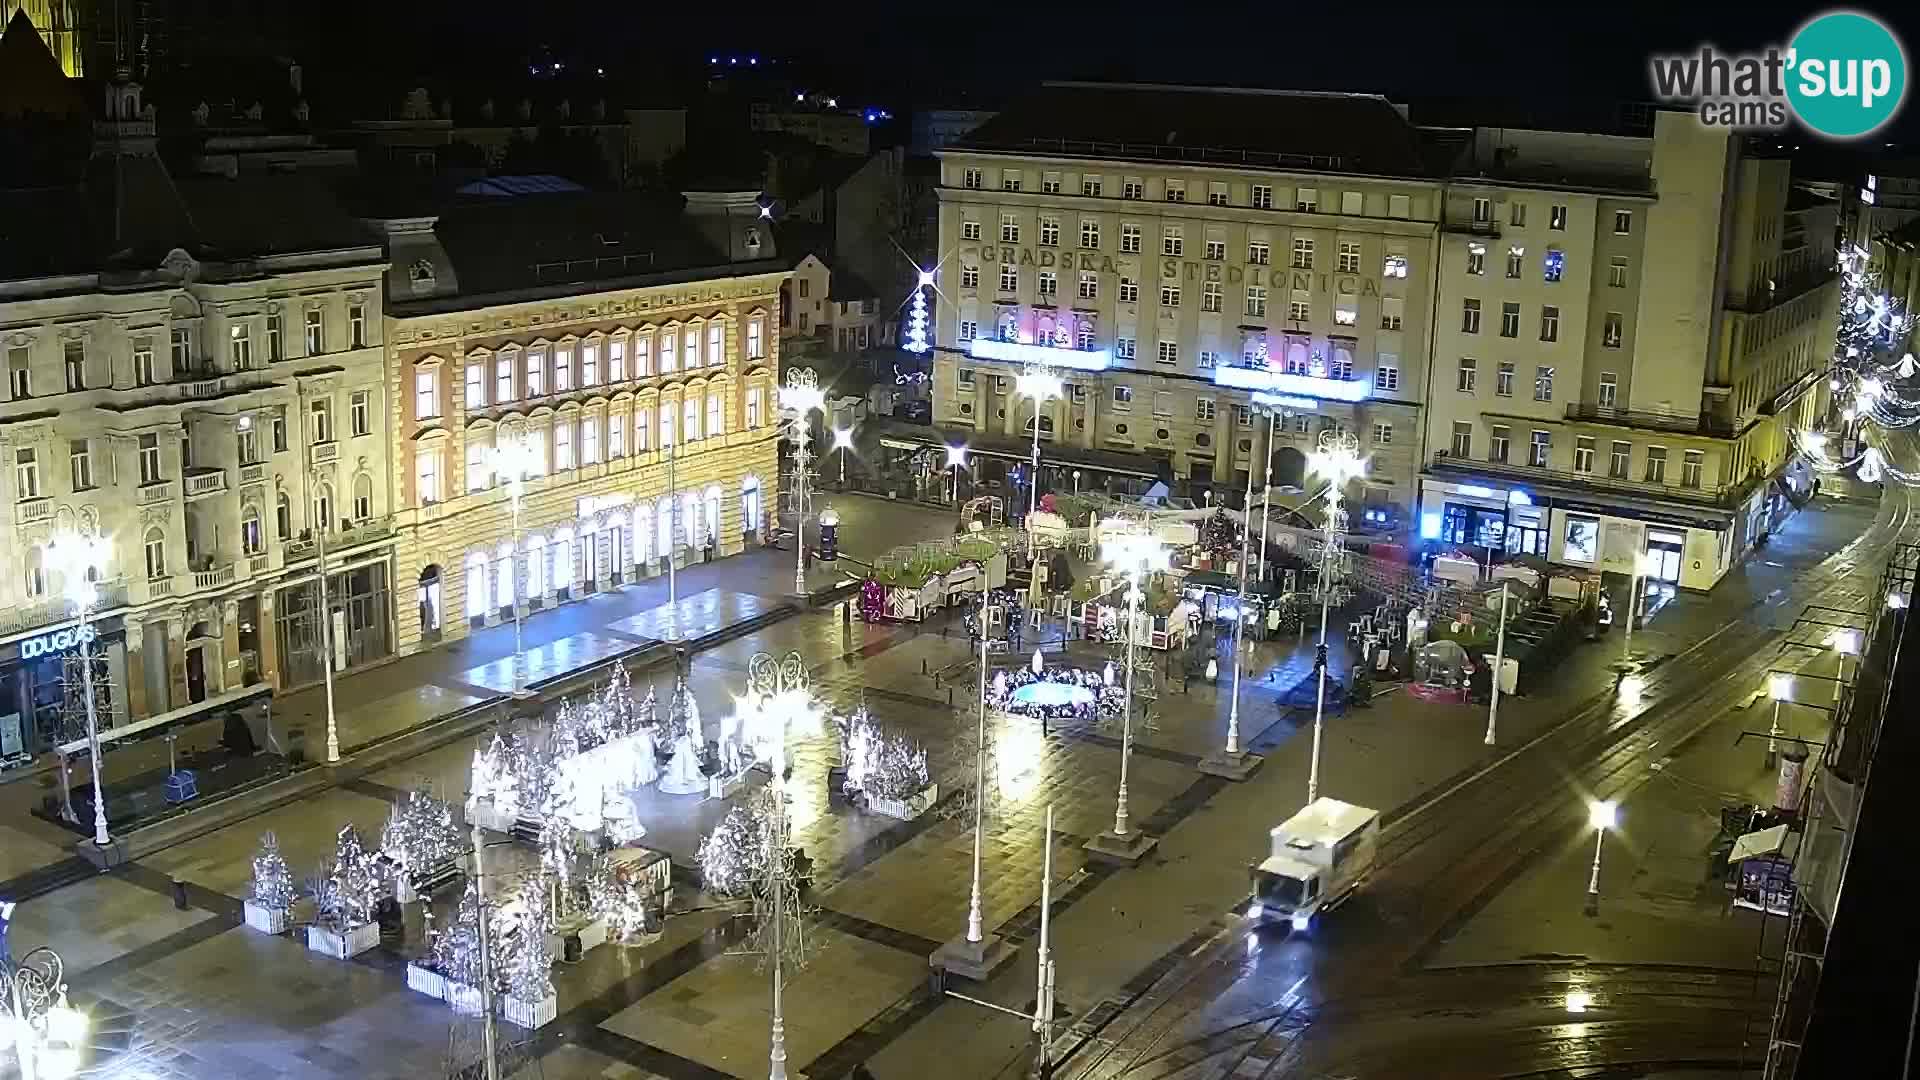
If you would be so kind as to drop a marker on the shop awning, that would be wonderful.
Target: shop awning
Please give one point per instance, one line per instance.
(154, 726)
(1755, 844)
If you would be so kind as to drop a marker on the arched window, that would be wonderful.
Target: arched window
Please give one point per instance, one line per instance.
(156, 552)
(691, 412)
(713, 516)
(503, 576)
(750, 504)
(252, 538)
(690, 516)
(476, 584)
(283, 516)
(535, 548)
(323, 505)
(36, 572)
(560, 559)
(716, 414)
(643, 532)
(362, 497)
(666, 424)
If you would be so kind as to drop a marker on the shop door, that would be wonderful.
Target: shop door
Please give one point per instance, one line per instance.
(1666, 549)
(196, 674)
(603, 547)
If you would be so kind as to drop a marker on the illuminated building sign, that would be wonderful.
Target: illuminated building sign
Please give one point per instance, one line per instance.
(1015, 352)
(57, 642)
(1279, 382)
(1281, 401)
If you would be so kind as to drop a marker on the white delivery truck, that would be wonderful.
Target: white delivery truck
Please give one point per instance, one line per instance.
(1319, 856)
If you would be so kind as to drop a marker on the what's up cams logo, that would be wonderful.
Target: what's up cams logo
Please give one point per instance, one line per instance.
(1843, 76)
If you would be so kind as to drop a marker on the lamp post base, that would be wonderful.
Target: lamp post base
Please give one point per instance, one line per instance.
(106, 858)
(1111, 847)
(1237, 766)
(976, 960)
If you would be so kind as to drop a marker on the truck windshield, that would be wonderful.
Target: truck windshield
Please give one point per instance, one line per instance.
(1278, 890)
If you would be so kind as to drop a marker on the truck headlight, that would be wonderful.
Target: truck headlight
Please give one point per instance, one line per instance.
(1302, 920)
(1255, 910)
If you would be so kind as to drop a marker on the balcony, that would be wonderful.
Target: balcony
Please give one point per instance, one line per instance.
(1444, 463)
(323, 453)
(205, 482)
(259, 564)
(28, 511)
(159, 587)
(214, 577)
(357, 534)
(158, 491)
(1472, 227)
(1702, 423)
(13, 620)
(253, 474)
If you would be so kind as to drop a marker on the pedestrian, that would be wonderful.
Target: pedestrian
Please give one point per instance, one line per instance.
(6, 924)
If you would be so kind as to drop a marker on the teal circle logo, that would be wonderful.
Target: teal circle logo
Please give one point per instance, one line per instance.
(1846, 74)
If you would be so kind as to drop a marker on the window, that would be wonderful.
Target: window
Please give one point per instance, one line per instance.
(1394, 265)
(1169, 352)
(1133, 188)
(75, 354)
(756, 338)
(1391, 312)
(616, 436)
(1050, 183)
(1123, 398)
(479, 465)
(1692, 463)
(1609, 389)
(1176, 191)
(503, 380)
(426, 476)
(357, 325)
(590, 439)
(276, 346)
(316, 332)
(1503, 380)
(1299, 308)
(476, 385)
(426, 394)
(1089, 285)
(1203, 410)
(26, 475)
(1129, 239)
(1516, 261)
(969, 329)
(1656, 464)
(1124, 348)
(1259, 253)
(716, 415)
(536, 373)
(143, 369)
(1306, 200)
(155, 548)
(1517, 214)
(1549, 323)
(1352, 202)
(181, 350)
(969, 230)
(1260, 197)
(1090, 186)
(1583, 454)
(1349, 257)
(1617, 272)
(252, 538)
(1497, 446)
(1618, 460)
(1470, 316)
(1129, 291)
(692, 339)
(1083, 335)
(1610, 330)
(1386, 372)
(1622, 222)
(970, 179)
(590, 360)
(1557, 219)
(1169, 296)
(1009, 278)
(1346, 309)
(321, 413)
(1554, 265)
(1009, 180)
(1462, 439)
(1210, 296)
(1469, 373)
(1243, 415)
(1476, 258)
(1483, 210)
(1049, 232)
(1162, 404)
(1256, 301)
(643, 422)
(1543, 383)
(1216, 194)
(360, 412)
(280, 429)
(1171, 241)
(1049, 283)
(1383, 434)
(1302, 253)
(80, 462)
(1216, 250)
(362, 497)
(690, 420)
(1089, 233)
(1509, 320)
(1399, 206)
(149, 459)
(1009, 229)
(1540, 450)
(283, 517)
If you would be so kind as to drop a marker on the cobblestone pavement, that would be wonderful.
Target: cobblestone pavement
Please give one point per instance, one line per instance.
(191, 993)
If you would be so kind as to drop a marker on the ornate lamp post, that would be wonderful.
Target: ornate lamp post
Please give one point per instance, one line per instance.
(513, 457)
(1602, 815)
(977, 955)
(1338, 461)
(1138, 555)
(800, 396)
(1042, 385)
(81, 560)
(843, 442)
(44, 1031)
(1231, 761)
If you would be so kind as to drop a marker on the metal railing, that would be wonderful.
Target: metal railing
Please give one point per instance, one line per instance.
(157, 492)
(1700, 423)
(322, 453)
(28, 511)
(214, 578)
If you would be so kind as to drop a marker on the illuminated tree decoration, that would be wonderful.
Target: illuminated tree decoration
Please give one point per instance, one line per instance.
(272, 880)
(421, 834)
(733, 857)
(917, 317)
(354, 886)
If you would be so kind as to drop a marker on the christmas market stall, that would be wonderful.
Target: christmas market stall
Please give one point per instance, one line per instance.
(912, 582)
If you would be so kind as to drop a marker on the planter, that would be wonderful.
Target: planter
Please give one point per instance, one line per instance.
(481, 812)
(905, 809)
(403, 890)
(530, 1014)
(464, 999)
(592, 933)
(431, 983)
(265, 919)
(725, 787)
(343, 945)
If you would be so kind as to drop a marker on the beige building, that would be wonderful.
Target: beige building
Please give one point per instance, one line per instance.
(1627, 331)
(633, 343)
(210, 415)
(1183, 255)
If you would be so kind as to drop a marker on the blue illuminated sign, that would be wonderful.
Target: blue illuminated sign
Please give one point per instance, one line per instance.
(1282, 401)
(56, 642)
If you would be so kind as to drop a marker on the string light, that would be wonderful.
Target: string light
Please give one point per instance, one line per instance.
(917, 316)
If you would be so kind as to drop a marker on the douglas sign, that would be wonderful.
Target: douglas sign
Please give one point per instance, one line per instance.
(56, 642)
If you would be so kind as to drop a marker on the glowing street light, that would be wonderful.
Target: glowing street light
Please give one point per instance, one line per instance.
(1780, 689)
(81, 561)
(513, 458)
(956, 460)
(843, 442)
(1337, 460)
(1042, 385)
(44, 1030)
(801, 396)
(1644, 566)
(1137, 555)
(1845, 643)
(1602, 815)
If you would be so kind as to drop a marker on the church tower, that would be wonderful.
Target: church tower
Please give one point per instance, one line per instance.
(59, 23)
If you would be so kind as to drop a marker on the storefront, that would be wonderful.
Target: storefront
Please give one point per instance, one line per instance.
(362, 606)
(34, 712)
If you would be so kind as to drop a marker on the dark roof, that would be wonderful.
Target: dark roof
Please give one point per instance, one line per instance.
(259, 214)
(1355, 133)
(31, 81)
(847, 285)
(504, 244)
(46, 231)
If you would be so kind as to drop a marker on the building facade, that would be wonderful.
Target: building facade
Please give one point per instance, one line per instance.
(646, 398)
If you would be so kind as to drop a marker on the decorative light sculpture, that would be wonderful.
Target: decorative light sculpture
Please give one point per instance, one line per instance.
(514, 457)
(917, 342)
(801, 396)
(81, 561)
(45, 1032)
(1337, 460)
(1042, 385)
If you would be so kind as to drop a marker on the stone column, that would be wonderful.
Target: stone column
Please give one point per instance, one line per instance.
(268, 632)
(136, 688)
(177, 657)
(233, 674)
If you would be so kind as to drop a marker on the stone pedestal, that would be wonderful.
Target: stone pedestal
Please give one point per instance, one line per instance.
(1128, 850)
(1231, 766)
(976, 960)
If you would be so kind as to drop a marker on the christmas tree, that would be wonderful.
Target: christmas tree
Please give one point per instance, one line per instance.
(355, 884)
(454, 949)
(733, 857)
(421, 834)
(1220, 537)
(272, 880)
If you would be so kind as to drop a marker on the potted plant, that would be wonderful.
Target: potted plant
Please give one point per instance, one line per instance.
(271, 901)
(344, 900)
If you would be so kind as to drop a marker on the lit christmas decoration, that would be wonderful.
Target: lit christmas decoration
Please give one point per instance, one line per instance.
(917, 316)
(421, 834)
(272, 880)
(733, 856)
(883, 764)
(1870, 472)
(347, 896)
(453, 947)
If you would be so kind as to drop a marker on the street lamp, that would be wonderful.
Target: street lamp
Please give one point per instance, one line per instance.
(1337, 460)
(974, 954)
(1780, 689)
(1499, 665)
(843, 442)
(1137, 555)
(1042, 385)
(1644, 566)
(1602, 815)
(80, 560)
(1266, 489)
(800, 396)
(45, 1032)
(1845, 643)
(513, 457)
(1232, 762)
(1076, 481)
(956, 460)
